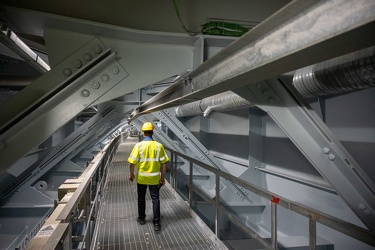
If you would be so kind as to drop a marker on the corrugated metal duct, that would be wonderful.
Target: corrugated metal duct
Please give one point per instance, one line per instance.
(220, 102)
(354, 71)
(351, 72)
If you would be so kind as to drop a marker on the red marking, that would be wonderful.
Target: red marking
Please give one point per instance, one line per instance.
(275, 200)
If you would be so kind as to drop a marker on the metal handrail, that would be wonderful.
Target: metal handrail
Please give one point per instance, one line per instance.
(313, 215)
(63, 231)
(65, 214)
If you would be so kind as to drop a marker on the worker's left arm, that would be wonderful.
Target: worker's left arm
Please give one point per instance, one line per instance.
(131, 174)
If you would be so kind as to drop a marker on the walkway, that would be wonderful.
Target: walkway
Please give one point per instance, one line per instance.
(120, 230)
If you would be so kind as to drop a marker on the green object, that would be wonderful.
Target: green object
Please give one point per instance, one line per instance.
(223, 29)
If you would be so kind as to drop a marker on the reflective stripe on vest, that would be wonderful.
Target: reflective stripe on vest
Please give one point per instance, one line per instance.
(143, 159)
(134, 158)
(148, 174)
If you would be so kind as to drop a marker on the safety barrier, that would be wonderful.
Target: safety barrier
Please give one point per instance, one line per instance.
(313, 215)
(72, 224)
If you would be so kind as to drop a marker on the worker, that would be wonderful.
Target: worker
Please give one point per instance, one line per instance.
(149, 158)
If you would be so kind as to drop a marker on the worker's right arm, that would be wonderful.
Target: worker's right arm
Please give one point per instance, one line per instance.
(131, 174)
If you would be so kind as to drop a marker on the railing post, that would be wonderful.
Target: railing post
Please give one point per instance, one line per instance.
(87, 215)
(175, 173)
(172, 169)
(191, 185)
(273, 225)
(312, 234)
(217, 205)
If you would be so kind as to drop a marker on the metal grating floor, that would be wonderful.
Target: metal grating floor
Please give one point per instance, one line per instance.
(119, 228)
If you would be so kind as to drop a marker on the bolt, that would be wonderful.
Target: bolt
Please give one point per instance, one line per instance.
(105, 78)
(115, 70)
(265, 91)
(85, 92)
(271, 100)
(97, 49)
(331, 157)
(87, 57)
(67, 71)
(259, 85)
(362, 206)
(368, 212)
(77, 64)
(95, 84)
(325, 150)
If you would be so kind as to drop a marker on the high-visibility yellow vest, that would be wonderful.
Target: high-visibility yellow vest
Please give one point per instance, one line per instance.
(148, 156)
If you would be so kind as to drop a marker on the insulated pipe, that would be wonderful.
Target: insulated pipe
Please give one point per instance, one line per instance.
(346, 73)
(220, 102)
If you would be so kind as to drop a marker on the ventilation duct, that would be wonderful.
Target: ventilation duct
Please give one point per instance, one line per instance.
(351, 72)
(354, 71)
(220, 102)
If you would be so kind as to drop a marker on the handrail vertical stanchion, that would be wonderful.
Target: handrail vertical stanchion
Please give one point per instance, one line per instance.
(312, 234)
(175, 172)
(88, 219)
(191, 185)
(217, 189)
(172, 169)
(273, 225)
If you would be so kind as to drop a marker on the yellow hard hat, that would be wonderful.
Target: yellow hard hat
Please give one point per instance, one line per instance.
(147, 126)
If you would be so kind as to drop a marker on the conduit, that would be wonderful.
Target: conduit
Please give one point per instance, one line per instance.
(354, 71)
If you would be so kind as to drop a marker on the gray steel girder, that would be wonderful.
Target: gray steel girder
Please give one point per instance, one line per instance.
(41, 108)
(316, 142)
(71, 145)
(300, 34)
(168, 117)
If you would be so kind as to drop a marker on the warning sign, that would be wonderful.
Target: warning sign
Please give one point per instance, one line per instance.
(47, 230)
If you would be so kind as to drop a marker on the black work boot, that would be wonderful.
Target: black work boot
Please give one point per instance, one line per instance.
(141, 221)
(157, 227)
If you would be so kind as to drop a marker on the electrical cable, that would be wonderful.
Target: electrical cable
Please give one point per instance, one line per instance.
(190, 32)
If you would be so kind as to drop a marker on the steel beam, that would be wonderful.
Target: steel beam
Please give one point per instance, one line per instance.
(300, 34)
(81, 137)
(317, 143)
(62, 75)
(168, 117)
(46, 107)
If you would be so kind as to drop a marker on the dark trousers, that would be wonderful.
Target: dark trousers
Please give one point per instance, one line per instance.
(154, 192)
